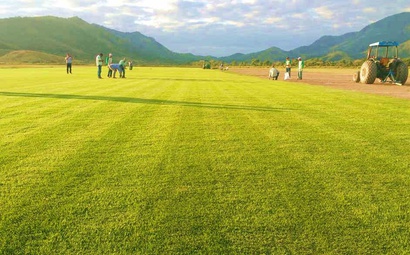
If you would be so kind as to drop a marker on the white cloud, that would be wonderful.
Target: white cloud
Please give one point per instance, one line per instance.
(324, 12)
(273, 20)
(369, 10)
(248, 1)
(157, 5)
(251, 15)
(298, 15)
(234, 23)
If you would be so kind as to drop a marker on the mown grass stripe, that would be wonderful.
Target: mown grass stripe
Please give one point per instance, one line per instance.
(179, 160)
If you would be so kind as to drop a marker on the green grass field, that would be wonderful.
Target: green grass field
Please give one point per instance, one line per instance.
(192, 161)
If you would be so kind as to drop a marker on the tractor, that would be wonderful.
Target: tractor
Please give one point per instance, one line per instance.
(382, 62)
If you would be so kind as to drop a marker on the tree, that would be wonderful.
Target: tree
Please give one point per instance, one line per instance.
(255, 62)
(267, 63)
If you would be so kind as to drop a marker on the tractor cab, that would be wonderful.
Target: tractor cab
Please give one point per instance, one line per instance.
(380, 50)
(384, 54)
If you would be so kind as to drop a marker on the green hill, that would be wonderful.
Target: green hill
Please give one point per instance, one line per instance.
(84, 41)
(269, 54)
(348, 46)
(30, 57)
(392, 28)
(404, 49)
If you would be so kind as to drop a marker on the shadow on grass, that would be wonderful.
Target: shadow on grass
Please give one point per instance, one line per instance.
(181, 79)
(142, 101)
(191, 79)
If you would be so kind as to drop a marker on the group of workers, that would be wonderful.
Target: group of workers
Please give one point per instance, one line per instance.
(112, 67)
(274, 73)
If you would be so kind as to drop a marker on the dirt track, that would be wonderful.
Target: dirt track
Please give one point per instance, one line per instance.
(335, 78)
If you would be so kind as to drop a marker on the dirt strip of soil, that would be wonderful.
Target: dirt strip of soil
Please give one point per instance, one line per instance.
(335, 78)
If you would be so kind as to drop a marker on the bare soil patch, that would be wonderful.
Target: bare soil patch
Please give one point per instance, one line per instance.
(335, 78)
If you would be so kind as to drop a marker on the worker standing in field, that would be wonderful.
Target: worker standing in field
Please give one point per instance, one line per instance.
(301, 65)
(99, 62)
(109, 62)
(69, 61)
(288, 66)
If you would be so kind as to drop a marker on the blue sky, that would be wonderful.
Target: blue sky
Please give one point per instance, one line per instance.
(219, 28)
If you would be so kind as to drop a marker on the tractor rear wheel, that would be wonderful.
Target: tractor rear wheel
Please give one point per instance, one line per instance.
(356, 76)
(402, 72)
(368, 72)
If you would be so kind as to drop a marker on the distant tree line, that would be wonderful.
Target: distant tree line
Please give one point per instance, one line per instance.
(312, 62)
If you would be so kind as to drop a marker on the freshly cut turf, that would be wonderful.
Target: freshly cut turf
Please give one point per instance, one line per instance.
(192, 161)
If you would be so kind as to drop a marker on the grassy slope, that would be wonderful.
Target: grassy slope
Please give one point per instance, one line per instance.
(31, 57)
(58, 36)
(198, 161)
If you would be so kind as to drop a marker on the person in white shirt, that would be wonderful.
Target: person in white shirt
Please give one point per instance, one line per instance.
(69, 61)
(288, 66)
(99, 62)
(109, 62)
(273, 73)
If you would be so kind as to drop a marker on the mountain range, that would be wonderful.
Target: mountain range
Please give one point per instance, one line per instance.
(348, 46)
(59, 36)
(47, 39)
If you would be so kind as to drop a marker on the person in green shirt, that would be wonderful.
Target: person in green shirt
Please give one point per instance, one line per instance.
(122, 64)
(301, 65)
